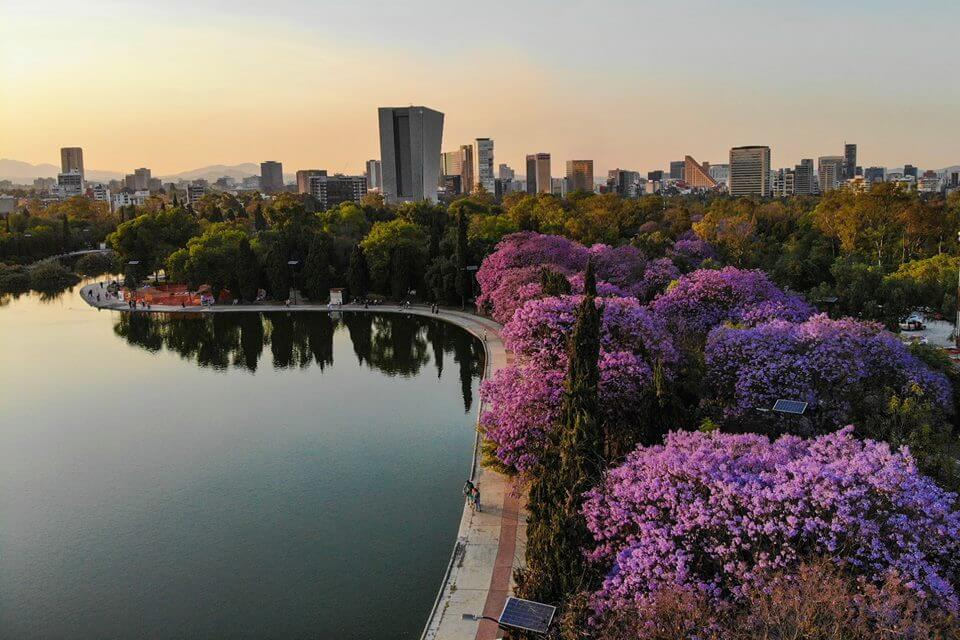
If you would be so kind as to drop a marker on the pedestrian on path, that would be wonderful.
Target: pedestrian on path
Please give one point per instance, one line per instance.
(476, 499)
(468, 492)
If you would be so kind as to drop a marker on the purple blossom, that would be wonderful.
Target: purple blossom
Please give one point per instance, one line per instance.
(699, 301)
(830, 364)
(718, 513)
(525, 397)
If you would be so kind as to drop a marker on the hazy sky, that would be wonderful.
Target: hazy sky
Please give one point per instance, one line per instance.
(179, 84)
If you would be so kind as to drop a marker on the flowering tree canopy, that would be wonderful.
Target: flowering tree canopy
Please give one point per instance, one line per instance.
(510, 276)
(718, 514)
(636, 354)
(517, 262)
(833, 365)
(703, 299)
(689, 251)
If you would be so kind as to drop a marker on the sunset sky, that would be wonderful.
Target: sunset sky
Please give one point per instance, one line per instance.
(176, 85)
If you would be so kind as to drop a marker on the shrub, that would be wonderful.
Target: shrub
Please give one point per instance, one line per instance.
(49, 275)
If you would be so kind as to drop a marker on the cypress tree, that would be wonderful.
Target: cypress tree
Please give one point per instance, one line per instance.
(247, 272)
(316, 269)
(358, 274)
(571, 464)
(66, 233)
(553, 283)
(259, 222)
(464, 278)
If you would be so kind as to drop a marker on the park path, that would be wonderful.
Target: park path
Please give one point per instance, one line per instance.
(490, 544)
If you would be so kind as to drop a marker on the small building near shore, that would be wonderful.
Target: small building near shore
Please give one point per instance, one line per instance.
(336, 296)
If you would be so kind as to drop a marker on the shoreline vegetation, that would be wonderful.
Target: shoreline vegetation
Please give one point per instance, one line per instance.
(650, 341)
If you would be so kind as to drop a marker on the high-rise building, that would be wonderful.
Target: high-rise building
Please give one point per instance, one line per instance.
(70, 183)
(271, 176)
(467, 172)
(374, 175)
(303, 178)
(655, 176)
(71, 159)
(803, 183)
(504, 172)
(451, 185)
(784, 183)
(580, 175)
(830, 171)
(538, 173)
(676, 169)
(331, 191)
(101, 193)
(954, 179)
(154, 185)
(720, 173)
(697, 175)
(625, 184)
(750, 171)
(141, 179)
(910, 170)
(874, 174)
(195, 191)
(849, 161)
(410, 140)
(483, 164)
(450, 164)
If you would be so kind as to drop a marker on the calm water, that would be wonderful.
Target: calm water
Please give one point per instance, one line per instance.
(230, 476)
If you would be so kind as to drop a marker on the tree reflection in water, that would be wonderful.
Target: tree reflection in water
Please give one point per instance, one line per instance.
(395, 344)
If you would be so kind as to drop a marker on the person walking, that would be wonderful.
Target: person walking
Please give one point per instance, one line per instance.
(468, 492)
(476, 499)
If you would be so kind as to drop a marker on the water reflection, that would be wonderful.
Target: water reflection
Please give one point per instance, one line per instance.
(394, 344)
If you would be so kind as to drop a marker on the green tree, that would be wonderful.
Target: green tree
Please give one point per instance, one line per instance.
(152, 237)
(247, 271)
(259, 222)
(317, 272)
(210, 258)
(573, 463)
(464, 277)
(553, 283)
(358, 276)
(383, 258)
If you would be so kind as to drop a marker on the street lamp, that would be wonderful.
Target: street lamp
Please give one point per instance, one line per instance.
(956, 327)
(293, 276)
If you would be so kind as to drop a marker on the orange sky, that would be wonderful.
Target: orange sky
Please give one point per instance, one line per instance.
(178, 87)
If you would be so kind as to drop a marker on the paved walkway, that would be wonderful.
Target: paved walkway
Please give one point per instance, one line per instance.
(489, 544)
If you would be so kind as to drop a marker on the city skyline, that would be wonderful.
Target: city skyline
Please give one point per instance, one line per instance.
(210, 95)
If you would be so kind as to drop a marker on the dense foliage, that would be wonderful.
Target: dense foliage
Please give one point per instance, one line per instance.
(719, 514)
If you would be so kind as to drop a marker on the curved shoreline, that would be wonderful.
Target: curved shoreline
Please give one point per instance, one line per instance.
(489, 544)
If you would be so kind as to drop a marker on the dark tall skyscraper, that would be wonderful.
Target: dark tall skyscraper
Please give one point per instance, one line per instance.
(909, 170)
(410, 140)
(803, 178)
(271, 176)
(677, 170)
(538, 173)
(655, 176)
(849, 161)
(875, 174)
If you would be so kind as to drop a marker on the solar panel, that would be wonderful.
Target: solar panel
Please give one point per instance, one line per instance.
(527, 615)
(790, 406)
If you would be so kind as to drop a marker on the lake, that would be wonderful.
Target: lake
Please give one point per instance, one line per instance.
(228, 475)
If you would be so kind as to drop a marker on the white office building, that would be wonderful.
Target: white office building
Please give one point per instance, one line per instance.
(483, 172)
(750, 171)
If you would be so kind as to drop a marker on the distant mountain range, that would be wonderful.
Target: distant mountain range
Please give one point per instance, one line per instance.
(24, 172)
